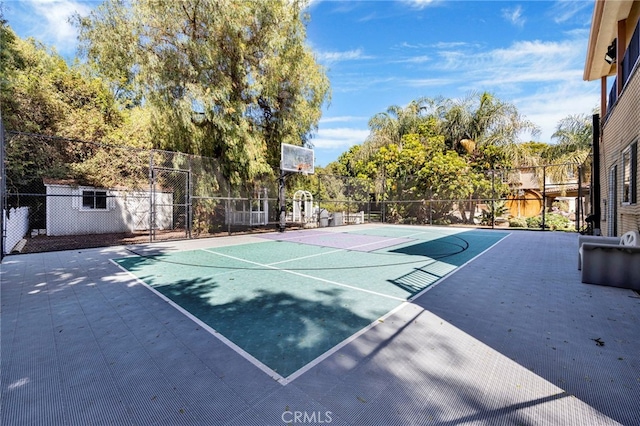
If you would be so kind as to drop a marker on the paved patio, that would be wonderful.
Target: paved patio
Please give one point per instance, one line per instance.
(511, 338)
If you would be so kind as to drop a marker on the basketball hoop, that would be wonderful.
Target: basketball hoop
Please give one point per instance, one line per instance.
(293, 159)
(296, 159)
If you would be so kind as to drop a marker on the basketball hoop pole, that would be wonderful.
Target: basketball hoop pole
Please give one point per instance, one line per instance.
(283, 219)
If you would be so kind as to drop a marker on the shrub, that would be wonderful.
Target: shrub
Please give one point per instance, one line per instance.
(552, 221)
(534, 222)
(517, 222)
(557, 222)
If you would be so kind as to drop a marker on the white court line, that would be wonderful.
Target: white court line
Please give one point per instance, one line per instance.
(334, 251)
(277, 377)
(345, 249)
(307, 276)
(246, 355)
(344, 343)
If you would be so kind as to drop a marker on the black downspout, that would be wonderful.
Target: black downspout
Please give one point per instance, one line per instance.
(595, 176)
(579, 200)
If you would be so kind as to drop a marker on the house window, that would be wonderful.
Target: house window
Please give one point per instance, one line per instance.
(630, 174)
(94, 200)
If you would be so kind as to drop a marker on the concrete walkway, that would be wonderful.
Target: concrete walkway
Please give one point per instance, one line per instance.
(511, 338)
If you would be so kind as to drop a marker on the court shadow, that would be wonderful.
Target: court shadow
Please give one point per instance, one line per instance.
(418, 279)
(453, 249)
(442, 256)
(448, 246)
(281, 330)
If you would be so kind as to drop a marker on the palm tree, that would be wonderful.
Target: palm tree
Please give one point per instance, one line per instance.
(574, 134)
(388, 127)
(482, 119)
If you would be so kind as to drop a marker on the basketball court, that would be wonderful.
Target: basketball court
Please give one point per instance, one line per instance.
(355, 325)
(288, 300)
(508, 337)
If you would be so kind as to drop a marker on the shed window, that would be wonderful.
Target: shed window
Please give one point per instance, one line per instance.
(630, 174)
(94, 200)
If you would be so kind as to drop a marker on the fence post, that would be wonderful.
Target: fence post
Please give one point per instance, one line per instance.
(384, 193)
(151, 194)
(348, 199)
(229, 213)
(2, 190)
(189, 200)
(493, 199)
(544, 196)
(319, 199)
(430, 206)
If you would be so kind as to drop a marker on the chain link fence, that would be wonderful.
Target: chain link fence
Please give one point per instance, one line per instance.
(59, 193)
(552, 197)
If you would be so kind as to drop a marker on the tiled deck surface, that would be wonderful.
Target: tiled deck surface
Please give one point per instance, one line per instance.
(507, 340)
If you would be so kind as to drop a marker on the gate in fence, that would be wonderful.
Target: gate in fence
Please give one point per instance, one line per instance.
(170, 202)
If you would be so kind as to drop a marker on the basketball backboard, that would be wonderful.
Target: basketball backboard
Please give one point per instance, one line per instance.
(296, 159)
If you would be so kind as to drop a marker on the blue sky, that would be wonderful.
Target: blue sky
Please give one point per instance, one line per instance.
(390, 52)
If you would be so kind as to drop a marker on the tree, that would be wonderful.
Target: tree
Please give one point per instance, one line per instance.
(573, 133)
(563, 159)
(481, 119)
(10, 61)
(231, 79)
(451, 180)
(389, 127)
(41, 94)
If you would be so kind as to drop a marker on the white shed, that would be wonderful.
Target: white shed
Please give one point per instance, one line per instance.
(78, 210)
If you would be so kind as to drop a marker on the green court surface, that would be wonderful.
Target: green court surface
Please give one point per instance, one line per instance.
(284, 304)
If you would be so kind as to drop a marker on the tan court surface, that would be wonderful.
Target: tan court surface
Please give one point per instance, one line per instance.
(511, 338)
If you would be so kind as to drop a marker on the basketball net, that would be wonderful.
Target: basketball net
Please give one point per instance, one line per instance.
(303, 168)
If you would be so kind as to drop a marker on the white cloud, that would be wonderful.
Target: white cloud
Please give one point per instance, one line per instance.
(547, 108)
(429, 82)
(343, 119)
(359, 82)
(452, 44)
(514, 15)
(333, 57)
(551, 50)
(342, 137)
(413, 60)
(53, 26)
(564, 10)
(420, 4)
(522, 62)
(543, 79)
